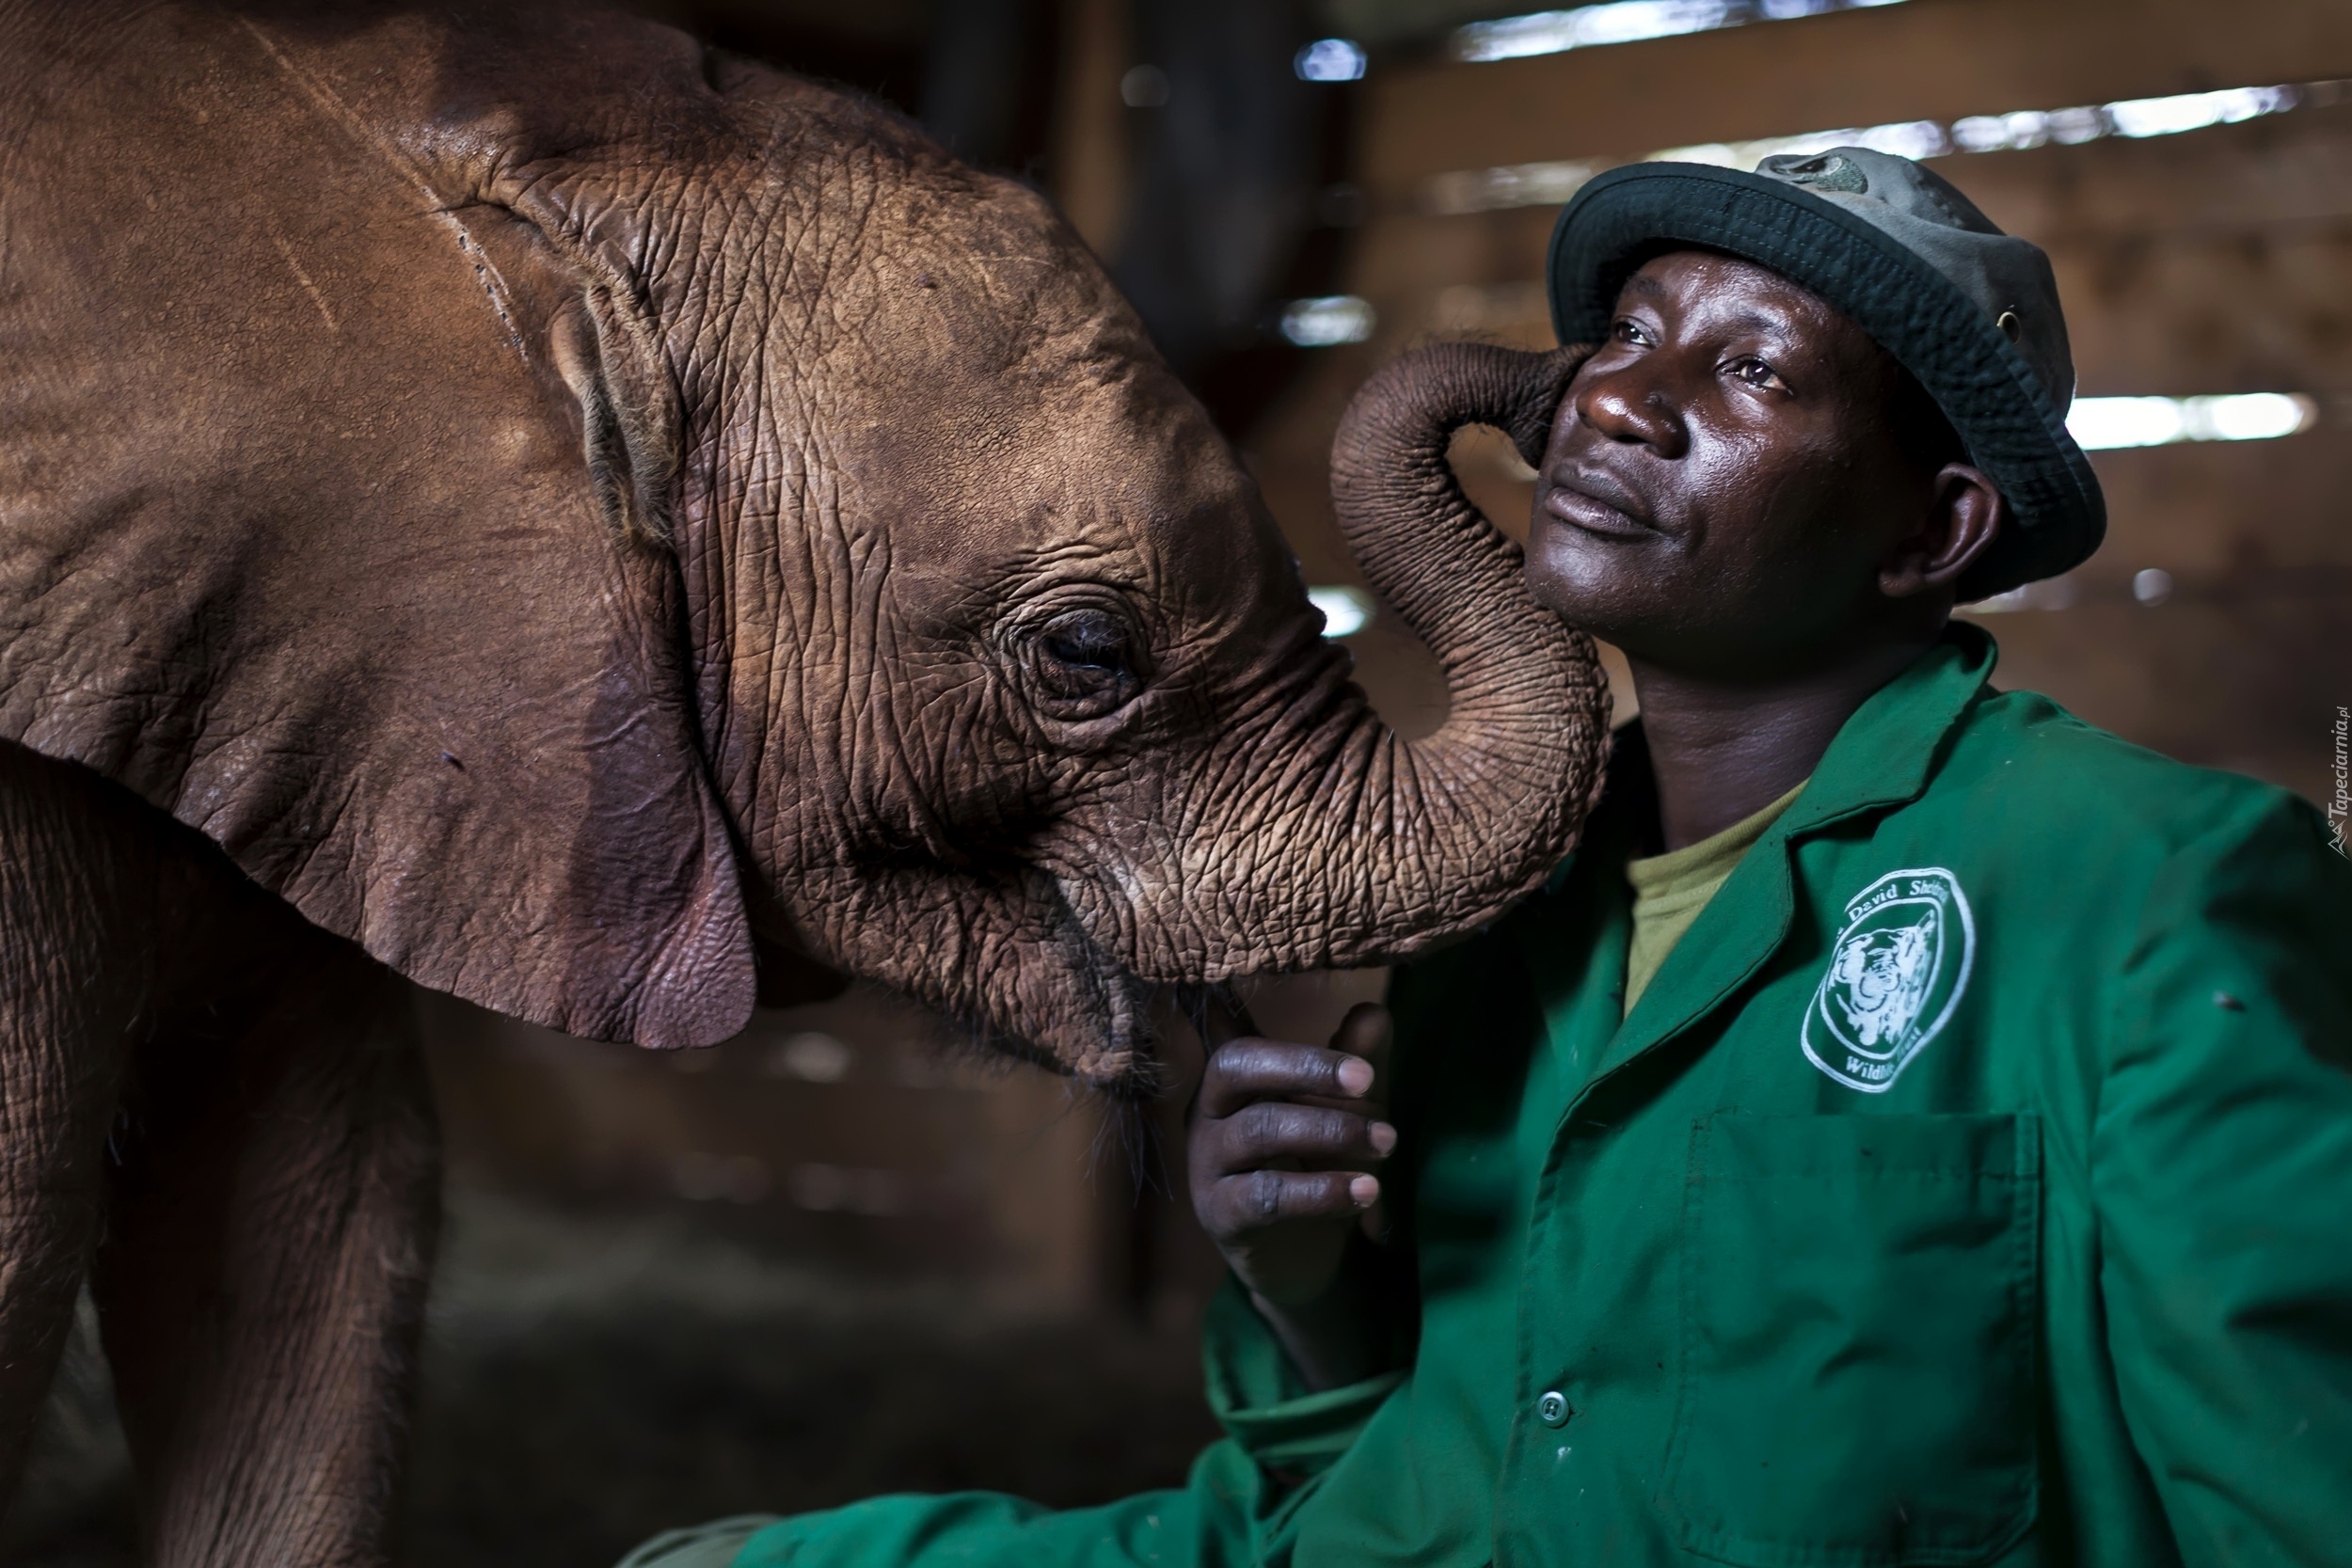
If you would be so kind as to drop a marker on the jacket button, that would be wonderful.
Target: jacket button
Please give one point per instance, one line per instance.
(1552, 1408)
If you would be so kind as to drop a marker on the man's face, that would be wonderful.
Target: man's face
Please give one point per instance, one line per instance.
(1724, 484)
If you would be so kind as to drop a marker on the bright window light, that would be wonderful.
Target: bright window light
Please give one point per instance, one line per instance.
(1330, 60)
(2252, 417)
(1346, 610)
(1486, 190)
(1330, 319)
(2049, 594)
(2194, 111)
(1145, 86)
(2028, 128)
(2150, 586)
(2109, 424)
(1550, 184)
(1910, 139)
(1514, 37)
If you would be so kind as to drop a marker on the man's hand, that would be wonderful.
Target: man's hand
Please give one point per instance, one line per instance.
(1284, 1143)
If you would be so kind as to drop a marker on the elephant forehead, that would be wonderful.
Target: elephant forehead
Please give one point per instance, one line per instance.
(1023, 484)
(987, 405)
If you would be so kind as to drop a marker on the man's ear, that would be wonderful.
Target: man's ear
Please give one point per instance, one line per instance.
(1964, 516)
(627, 411)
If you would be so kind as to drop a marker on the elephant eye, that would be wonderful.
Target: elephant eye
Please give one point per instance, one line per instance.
(1091, 641)
(1086, 664)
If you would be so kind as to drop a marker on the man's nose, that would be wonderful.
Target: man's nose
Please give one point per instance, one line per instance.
(1632, 404)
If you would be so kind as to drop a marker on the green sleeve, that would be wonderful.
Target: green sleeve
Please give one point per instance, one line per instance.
(1265, 1406)
(2222, 1173)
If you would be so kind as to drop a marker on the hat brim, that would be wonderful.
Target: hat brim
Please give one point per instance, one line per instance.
(1977, 378)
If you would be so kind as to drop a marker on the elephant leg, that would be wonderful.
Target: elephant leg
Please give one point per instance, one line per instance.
(261, 1285)
(69, 989)
(57, 1094)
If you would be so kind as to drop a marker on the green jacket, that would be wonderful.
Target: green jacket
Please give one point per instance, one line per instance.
(1972, 1185)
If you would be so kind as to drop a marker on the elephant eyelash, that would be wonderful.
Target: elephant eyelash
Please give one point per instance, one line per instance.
(1087, 649)
(1086, 664)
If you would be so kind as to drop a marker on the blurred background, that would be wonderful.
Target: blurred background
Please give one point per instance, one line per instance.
(843, 1253)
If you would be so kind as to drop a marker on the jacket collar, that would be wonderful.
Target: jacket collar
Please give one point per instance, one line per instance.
(1884, 756)
(1886, 752)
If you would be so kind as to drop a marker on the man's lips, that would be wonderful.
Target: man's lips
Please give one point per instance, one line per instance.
(1596, 503)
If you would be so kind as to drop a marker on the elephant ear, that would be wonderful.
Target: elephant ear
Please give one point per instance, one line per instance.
(333, 520)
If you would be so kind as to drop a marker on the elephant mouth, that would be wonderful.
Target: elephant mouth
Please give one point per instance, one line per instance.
(1099, 1029)
(1007, 960)
(1011, 961)
(1128, 1012)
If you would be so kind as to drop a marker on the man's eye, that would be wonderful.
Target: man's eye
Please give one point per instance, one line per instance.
(1756, 373)
(1626, 330)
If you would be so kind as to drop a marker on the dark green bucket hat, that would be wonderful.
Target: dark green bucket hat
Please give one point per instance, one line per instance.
(1970, 312)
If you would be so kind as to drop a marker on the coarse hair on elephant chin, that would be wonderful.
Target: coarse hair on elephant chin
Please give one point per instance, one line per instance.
(998, 951)
(1103, 1036)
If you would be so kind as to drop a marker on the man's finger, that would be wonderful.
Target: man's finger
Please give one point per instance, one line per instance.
(1273, 1130)
(1369, 1031)
(1254, 1068)
(1254, 1200)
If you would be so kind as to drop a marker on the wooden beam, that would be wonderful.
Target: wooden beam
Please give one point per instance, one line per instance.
(1927, 59)
(2208, 261)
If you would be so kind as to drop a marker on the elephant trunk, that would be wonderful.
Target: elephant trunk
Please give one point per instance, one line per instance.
(1437, 836)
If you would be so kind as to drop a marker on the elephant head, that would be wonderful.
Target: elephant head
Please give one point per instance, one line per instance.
(576, 513)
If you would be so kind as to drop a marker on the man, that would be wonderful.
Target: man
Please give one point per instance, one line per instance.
(1916, 1128)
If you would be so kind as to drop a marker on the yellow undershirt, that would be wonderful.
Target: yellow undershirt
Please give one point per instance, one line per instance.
(1670, 890)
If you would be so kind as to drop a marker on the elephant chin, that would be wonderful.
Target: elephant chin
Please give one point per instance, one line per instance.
(1047, 991)
(1085, 1014)
(1010, 960)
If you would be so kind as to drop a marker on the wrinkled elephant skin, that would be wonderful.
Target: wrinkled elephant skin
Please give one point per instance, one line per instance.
(516, 503)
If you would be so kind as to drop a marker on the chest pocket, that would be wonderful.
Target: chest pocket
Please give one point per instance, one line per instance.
(1859, 1309)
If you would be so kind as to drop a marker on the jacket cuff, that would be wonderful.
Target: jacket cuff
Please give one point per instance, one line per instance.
(1263, 1402)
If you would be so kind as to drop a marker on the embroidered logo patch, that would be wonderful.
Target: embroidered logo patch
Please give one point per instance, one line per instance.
(1896, 972)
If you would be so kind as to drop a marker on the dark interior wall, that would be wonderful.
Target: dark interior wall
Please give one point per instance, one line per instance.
(1235, 187)
(989, 82)
(979, 74)
(1224, 217)
(880, 47)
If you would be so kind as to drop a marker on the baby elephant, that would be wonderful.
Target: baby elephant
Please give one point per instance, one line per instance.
(511, 501)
